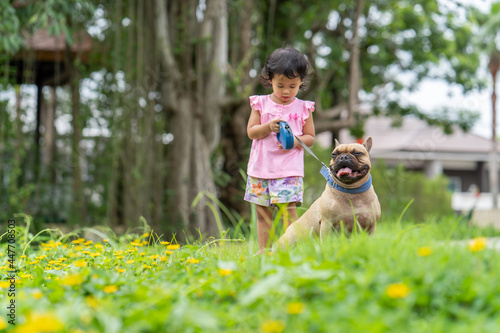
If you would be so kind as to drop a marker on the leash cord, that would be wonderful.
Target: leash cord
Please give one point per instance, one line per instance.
(308, 150)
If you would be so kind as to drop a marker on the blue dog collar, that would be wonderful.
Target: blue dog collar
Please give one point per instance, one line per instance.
(325, 172)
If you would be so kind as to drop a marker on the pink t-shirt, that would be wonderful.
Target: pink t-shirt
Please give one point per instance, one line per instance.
(267, 161)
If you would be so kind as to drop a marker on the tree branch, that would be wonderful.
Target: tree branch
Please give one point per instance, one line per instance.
(164, 40)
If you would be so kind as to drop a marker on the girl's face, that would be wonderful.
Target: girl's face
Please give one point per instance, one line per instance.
(285, 89)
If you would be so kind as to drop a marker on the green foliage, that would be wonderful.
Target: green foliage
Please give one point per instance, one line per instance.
(9, 26)
(418, 38)
(404, 278)
(15, 193)
(395, 188)
(400, 36)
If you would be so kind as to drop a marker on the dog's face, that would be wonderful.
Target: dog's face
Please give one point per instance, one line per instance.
(350, 163)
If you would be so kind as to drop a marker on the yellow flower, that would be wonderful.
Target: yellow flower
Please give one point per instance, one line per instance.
(3, 323)
(397, 290)
(163, 258)
(118, 253)
(424, 251)
(295, 308)
(130, 261)
(225, 271)
(37, 294)
(96, 254)
(23, 256)
(146, 266)
(88, 242)
(168, 252)
(110, 289)
(25, 276)
(105, 240)
(136, 244)
(164, 243)
(173, 246)
(192, 261)
(4, 284)
(72, 280)
(80, 263)
(76, 330)
(41, 322)
(142, 254)
(273, 326)
(78, 241)
(99, 246)
(120, 270)
(477, 244)
(91, 301)
(154, 257)
(145, 235)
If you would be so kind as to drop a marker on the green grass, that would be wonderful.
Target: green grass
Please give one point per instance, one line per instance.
(344, 284)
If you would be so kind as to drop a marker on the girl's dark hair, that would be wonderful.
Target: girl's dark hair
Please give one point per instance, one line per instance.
(286, 61)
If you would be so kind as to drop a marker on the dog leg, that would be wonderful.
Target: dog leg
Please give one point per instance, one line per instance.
(309, 221)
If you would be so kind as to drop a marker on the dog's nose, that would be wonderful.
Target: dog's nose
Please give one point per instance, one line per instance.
(344, 158)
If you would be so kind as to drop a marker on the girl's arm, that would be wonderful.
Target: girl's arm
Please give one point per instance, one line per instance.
(309, 134)
(256, 130)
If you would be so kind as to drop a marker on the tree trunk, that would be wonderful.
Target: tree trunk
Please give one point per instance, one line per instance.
(192, 94)
(494, 66)
(237, 111)
(77, 215)
(354, 66)
(50, 131)
(77, 208)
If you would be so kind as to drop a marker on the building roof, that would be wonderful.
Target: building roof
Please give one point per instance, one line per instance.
(52, 48)
(416, 135)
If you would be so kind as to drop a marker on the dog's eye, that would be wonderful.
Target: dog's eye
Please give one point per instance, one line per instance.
(357, 153)
(335, 155)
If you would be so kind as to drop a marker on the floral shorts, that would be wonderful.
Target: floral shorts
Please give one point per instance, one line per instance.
(269, 192)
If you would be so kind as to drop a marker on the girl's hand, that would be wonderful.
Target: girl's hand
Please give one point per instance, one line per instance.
(274, 125)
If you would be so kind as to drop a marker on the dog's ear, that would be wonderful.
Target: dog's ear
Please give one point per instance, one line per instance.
(368, 143)
(336, 143)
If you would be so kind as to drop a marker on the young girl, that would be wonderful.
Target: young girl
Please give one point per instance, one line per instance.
(274, 174)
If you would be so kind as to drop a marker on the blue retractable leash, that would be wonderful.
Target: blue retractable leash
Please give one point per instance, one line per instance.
(286, 138)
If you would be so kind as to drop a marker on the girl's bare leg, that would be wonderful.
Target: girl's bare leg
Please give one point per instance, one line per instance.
(290, 215)
(264, 226)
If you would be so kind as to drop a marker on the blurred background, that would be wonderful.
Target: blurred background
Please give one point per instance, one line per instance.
(116, 112)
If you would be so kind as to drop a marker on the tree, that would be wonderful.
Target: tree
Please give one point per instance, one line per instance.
(21, 20)
(171, 81)
(420, 39)
(195, 55)
(487, 40)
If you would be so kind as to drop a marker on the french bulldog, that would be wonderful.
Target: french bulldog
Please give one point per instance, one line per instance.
(348, 197)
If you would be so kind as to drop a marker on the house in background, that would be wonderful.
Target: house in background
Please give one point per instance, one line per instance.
(462, 157)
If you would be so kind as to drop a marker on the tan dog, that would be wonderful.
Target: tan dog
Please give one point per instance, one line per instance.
(350, 191)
